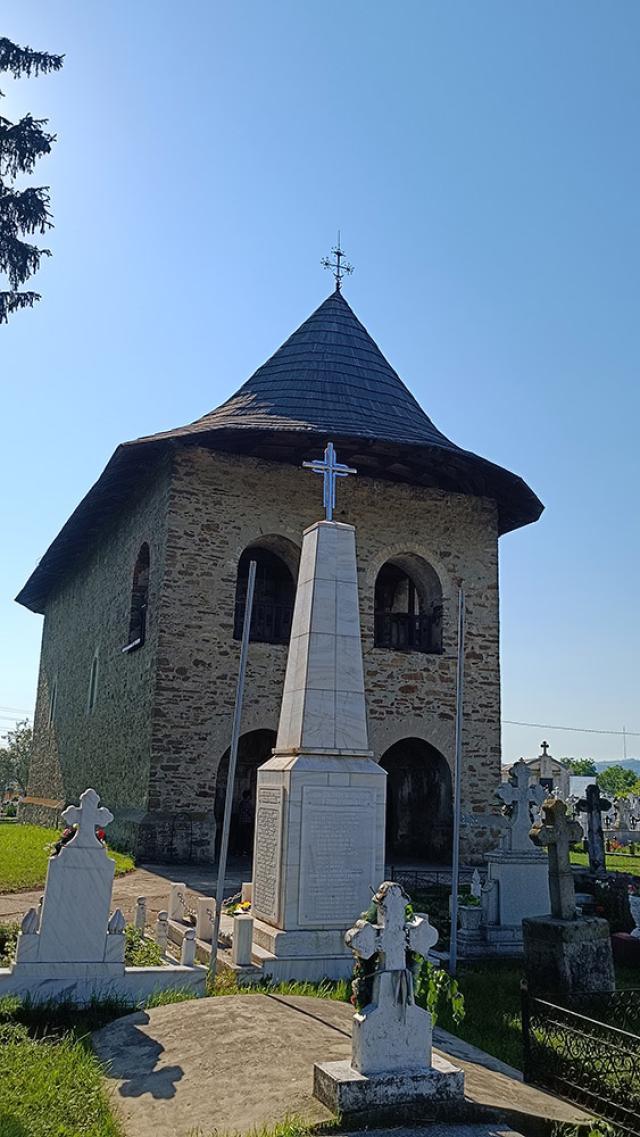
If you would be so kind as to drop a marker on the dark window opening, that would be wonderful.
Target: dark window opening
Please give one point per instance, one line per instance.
(408, 607)
(272, 599)
(139, 601)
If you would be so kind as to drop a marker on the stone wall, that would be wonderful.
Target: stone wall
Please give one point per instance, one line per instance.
(162, 721)
(218, 505)
(107, 747)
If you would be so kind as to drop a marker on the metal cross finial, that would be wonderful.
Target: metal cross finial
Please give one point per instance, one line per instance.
(330, 470)
(545, 748)
(338, 268)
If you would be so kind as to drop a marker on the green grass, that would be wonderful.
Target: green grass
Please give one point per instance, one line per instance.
(24, 854)
(616, 862)
(291, 1126)
(51, 1088)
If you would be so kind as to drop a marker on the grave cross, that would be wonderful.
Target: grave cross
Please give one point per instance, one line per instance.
(594, 806)
(558, 834)
(393, 934)
(88, 816)
(331, 470)
(518, 792)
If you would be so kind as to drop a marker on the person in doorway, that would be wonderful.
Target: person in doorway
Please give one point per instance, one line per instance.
(245, 825)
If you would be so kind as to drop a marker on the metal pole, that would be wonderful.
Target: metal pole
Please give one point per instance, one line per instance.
(457, 794)
(231, 774)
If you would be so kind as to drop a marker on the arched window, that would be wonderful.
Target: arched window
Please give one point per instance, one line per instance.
(273, 596)
(139, 601)
(408, 606)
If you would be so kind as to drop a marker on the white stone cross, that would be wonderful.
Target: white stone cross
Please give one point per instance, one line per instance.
(393, 935)
(520, 793)
(331, 470)
(88, 816)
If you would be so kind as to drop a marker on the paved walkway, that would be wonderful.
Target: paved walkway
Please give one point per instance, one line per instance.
(151, 881)
(240, 1062)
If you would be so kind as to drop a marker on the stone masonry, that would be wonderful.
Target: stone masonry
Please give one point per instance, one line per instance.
(162, 719)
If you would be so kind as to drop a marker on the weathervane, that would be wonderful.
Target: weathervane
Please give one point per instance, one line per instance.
(331, 470)
(339, 270)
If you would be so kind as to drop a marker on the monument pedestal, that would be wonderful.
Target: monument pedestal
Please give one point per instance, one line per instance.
(403, 1094)
(317, 859)
(568, 955)
(320, 802)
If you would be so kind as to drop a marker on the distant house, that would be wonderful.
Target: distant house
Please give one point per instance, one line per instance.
(549, 772)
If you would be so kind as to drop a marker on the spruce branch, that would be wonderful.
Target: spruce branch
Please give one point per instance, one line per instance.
(12, 301)
(24, 61)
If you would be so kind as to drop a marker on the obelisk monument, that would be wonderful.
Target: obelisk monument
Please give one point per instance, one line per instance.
(320, 810)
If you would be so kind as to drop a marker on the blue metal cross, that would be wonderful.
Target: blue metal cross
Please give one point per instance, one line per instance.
(331, 470)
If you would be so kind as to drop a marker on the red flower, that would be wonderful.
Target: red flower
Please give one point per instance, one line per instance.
(100, 834)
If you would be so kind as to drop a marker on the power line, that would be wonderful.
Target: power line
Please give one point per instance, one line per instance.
(16, 710)
(576, 729)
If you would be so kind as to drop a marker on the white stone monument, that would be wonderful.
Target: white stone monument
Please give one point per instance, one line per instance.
(72, 947)
(392, 1064)
(517, 883)
(320, 809)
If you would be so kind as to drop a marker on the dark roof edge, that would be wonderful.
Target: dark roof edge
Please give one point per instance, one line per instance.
(517, 504)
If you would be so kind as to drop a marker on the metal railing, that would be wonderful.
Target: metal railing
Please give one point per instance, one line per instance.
(402, 631)
(577, 1052)
(270, 623)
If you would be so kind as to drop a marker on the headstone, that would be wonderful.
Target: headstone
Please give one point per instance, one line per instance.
(564, 952)
(245, 892)
(320, 812)
(517, 883)
(392, 1064)
(594, 806)
(73, 945)
(557, 833)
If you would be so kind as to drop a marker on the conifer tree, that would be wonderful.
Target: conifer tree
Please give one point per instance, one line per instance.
(23, 212)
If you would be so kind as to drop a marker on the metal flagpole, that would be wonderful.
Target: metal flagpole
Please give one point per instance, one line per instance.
(231, 775)
(457, 796)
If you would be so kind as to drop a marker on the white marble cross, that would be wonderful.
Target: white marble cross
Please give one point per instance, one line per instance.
(88, 816)
(520, 793)
(393, 934)
(331, 470)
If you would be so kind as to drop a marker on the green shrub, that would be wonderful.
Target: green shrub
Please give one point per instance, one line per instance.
(138, 951)
(8, 940)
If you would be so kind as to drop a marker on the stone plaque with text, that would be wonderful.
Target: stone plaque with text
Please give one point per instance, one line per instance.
(268, 851)
(337, 855)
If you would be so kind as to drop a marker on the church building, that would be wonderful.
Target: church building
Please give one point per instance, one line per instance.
(143, 594)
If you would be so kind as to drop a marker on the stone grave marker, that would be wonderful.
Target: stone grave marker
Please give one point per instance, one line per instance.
(564, 952)
(392, 1064)
(71, 945)
(594, 806)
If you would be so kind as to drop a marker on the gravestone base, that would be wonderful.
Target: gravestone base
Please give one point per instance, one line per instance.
(491, 941)
(567, 955)
(404, 1095)
(309, 954)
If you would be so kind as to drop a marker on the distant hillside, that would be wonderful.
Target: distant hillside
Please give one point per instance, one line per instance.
(626, 763)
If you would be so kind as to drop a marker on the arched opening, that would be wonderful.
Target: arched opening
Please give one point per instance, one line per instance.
(276, 568)
(139, 600)
(419, 820)
(254, 748)
(408, 606)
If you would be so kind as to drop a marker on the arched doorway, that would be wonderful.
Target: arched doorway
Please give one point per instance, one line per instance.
(419, 819)
(254, 748)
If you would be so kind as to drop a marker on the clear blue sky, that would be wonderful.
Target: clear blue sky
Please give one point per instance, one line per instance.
(483, 163)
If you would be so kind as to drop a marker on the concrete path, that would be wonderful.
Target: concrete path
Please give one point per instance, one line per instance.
(240, 1062)
(151, 881)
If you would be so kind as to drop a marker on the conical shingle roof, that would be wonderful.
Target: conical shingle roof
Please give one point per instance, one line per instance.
(328, 381)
